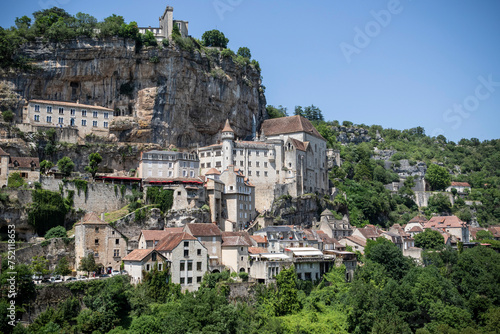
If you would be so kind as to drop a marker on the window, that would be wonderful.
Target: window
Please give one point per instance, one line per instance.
(265, 164)
(106, 115)
(190, 265)
(61, 120)
(183, 280)
(117, 241)
(94, 123)
(170, 173)
(96, 241)
(84, 122)
(61, 111)
(106, 125)
(94, 114)
(202, 165)
(148, 267)
(265, 174)
(49, 110)
(198, 251)
(97, 230)
(37, 107)
(198, 266)
(72, 112)
(241, 163)
(72, 122)
(96, 254)
(49, 119)
(183, 266)
(198, 279)
(191, 174)
(84, 113)
(186, 252)
(153, 256)
(37, 118)
(258, 173)
(184, 173)
(249, 164)
(190, 280)
(159, 267)
(116, 253)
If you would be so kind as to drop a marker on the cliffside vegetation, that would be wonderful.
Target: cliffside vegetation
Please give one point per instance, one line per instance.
(456, 292)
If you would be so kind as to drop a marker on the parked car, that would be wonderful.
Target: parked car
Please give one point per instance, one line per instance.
(71, 279)
(115, 272)
(104, 275)
(82, 277)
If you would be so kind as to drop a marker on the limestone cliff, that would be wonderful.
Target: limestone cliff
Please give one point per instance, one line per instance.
(170, 96)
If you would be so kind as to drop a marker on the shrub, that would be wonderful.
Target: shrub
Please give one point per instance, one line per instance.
(15, 181)
(244, 52)
(56, 232)
(8, 116)
(227, 53)
(214, 38)
(165, 42)
(154, 60)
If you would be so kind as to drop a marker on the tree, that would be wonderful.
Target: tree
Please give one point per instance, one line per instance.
(62, 267)
(311, 112)
(244, 52)
(65, 166)
(15, 180)
(111, 26)
(85, 24)
(39, 265)
(46, 18)
(8, 116)
(276, 112)
(45, 166)
(387, 254)
(214, 38)
(56, 232)
(149, 39)
(287, 301)
(429, 239)
(439, 203)
(484, 234)
(87, 263)
(94, 161)
(438, 177)
(131, 30)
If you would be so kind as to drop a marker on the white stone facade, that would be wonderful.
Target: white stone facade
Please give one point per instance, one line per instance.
(167, 23)
(168, 164)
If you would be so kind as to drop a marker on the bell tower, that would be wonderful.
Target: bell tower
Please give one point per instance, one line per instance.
(227, 145)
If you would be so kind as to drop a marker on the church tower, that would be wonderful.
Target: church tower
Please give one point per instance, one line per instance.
(227, 145)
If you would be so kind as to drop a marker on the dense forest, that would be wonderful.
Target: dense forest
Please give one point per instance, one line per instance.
(456, 292)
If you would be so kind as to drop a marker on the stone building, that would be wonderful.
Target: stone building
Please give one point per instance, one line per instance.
(167, 23)
(188, 258)
(210, 236)
(335, 228)
(86, 119)
(168, 165)
(450, 224)
(94, 236)
(27, 167)
(289, 157)
(235, 251)
(143, 260)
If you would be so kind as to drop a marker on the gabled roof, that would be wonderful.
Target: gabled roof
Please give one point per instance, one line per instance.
(212, 171)
(227, 127)
(172, 240)
(3, 153)
(299, 145)
(71, 104)
(152, 235)
(418, 219)
(292, 124)
(460, 184)
(203, 229)
(370, 231)
(356, 240)
(257, 250)
(24, 162)
(327, 240)
(444, 222)
(138, 255)
(260, 239)
(241, 238)
(92, 218)
(169, 230)
(416, 229)
(327, 213)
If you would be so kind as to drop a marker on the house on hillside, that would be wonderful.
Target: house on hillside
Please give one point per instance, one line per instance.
(460, 187)
(210, 237)
(27, 167)
(335, 228)
(235, 254)
(450, 224)
(139, 261)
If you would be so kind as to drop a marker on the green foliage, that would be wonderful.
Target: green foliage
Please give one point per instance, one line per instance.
(39, 265)
(484, 234)
(154, 60)
(184, 43)
(47, 210)
(62, 268)
(15, 180)
(110, 26)
(8, 115)
(165, 42)
(384, 252)
(45, 166)
(162, 197)
(94, 161)
(81, 185)
(149, 39)
(439, 203)
(56, 232)
(287, 301)
(244, 52)
(130, 30)
(438, 177)
(227, 53)
(87, 263)
(214, 38)
(276, 112)
(429, 240)
(311, 112)
(66, 166)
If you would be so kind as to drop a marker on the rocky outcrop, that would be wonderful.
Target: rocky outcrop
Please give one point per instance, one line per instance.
(179, 218)
(347, 135)
(170, 96)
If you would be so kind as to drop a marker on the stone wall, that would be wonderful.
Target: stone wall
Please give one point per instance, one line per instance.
(99, 198)
(422, 197)
(54, 251)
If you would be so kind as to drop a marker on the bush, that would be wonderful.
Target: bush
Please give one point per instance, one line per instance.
(214, 38)
(154, 60)
(244, 52)
(56, 232)
(165, 42)
(227, 53)
(8, 116)
(15, 181)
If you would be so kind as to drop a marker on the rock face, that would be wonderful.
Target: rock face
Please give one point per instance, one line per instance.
(168, 95)
(351, 134)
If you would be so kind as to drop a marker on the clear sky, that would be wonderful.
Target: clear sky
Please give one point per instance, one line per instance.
(399, 64)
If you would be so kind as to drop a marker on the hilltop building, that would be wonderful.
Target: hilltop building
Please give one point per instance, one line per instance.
(166, 27)
(27, 167)
(288, 158)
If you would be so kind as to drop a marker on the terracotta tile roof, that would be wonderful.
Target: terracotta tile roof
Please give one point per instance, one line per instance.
(3, 153)
(212, 171)
(460, 184)
(299, 145)
(370, 231)
(24, 162)
(137, 254)
(444, 221)
(418, 219)
(257, 250)
(203, 229)
(261, 239)
(292, 124)
(245, 237)
(327, 240)
(356, 240)
(416, 229)
(92, 218)
(172, 240)
(227, 127)
(169, 230)
(495, 230)
(152, 235)
(233, 241)
(70, 104)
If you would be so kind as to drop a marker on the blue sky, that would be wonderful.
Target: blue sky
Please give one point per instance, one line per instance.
(399, 64)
